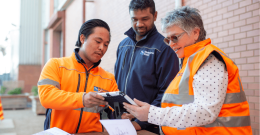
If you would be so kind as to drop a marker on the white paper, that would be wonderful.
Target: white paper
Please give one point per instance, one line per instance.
(53, 131)
(119, 127)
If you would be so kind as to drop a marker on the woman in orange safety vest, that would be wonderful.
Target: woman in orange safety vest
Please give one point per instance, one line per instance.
(206, 96)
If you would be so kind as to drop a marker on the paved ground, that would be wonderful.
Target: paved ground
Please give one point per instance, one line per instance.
(21, 122)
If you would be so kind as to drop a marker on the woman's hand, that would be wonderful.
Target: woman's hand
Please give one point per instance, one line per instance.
(140, 112)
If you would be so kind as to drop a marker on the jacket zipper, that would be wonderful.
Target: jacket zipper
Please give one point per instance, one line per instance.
(130, 66)
(124, 59)
(81, 112)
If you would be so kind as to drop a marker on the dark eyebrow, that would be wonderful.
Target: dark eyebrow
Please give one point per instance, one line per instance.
(101, 39)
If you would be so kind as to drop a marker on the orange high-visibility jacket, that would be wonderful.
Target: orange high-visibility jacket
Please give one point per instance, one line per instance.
(61, 86)
(1, 111)
(233, 118)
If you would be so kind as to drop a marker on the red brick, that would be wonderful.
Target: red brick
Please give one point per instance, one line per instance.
(217, 29)
(247, 79)
(240, 11)
(249, 92)
(253, 59)
(212, 3)
(253, 86)
(257, 66)
(252, 7)
(247, 54)
(248, 67)
(227, 3)
(242, 73)
(240, 48)
(257, 119)
(234, 55)
(245, 3)
(228, 38)
(222, 11)
(244, 85)
(223, 33)
(246, 40)
(234, 31)
(257, 92)
(252, 20)
(254, 100)
(228, 26)
(232, 7)
(251, 106)
(245, 15)
(253, 46)
(256, 25)
(233, 19)
(222, 22)
(252, 33)
(217, 18)
(252, 118)
(256, 39)
(223, 45)
(254, 112)
(253, 73)
(256, 12)
(240, 23)
(256, 52)
(257, 106)
(229, 50)
(246, 28)
(240, 35)
(255, 126)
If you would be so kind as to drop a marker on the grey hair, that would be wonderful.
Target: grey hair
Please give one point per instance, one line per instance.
(186, 18)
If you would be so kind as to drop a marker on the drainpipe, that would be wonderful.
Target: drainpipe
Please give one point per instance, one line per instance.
(178, 4)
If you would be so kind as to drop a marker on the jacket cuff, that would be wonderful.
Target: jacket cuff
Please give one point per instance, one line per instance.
(142, 124)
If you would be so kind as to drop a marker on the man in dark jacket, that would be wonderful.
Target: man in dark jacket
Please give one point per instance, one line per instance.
(145, 65)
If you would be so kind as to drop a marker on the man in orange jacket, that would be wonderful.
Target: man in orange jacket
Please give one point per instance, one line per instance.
(68, 86)
(1, 111)
(206, 97)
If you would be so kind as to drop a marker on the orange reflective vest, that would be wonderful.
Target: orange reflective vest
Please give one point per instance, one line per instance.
(61, 86)
(234, 115)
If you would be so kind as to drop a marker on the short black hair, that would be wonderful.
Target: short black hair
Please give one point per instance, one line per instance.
(87, 28)
(142, 4)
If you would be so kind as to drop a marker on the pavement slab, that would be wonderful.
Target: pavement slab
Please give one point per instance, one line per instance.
(25, 122)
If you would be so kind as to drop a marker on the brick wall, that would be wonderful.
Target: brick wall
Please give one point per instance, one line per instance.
(233, 26)
(30, 75)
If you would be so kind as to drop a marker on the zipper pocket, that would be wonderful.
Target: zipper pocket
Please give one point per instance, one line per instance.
(123, 65)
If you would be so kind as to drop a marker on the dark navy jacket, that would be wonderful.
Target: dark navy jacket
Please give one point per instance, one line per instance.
(144, 69)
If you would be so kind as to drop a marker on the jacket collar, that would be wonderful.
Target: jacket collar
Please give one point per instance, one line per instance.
(131, 33)
(189, 50)
(80, 60)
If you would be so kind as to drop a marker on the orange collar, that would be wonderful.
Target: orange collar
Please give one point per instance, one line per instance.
(189, 50)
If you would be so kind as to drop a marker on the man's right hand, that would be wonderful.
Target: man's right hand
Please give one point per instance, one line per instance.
(92, 99)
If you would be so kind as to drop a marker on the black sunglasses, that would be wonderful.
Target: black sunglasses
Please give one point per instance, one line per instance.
(173, 38)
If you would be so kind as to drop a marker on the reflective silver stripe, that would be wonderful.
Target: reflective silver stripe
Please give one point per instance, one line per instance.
(49, 82)
(238, 121)
(92, 110)
(177, 99)
(235, 97)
